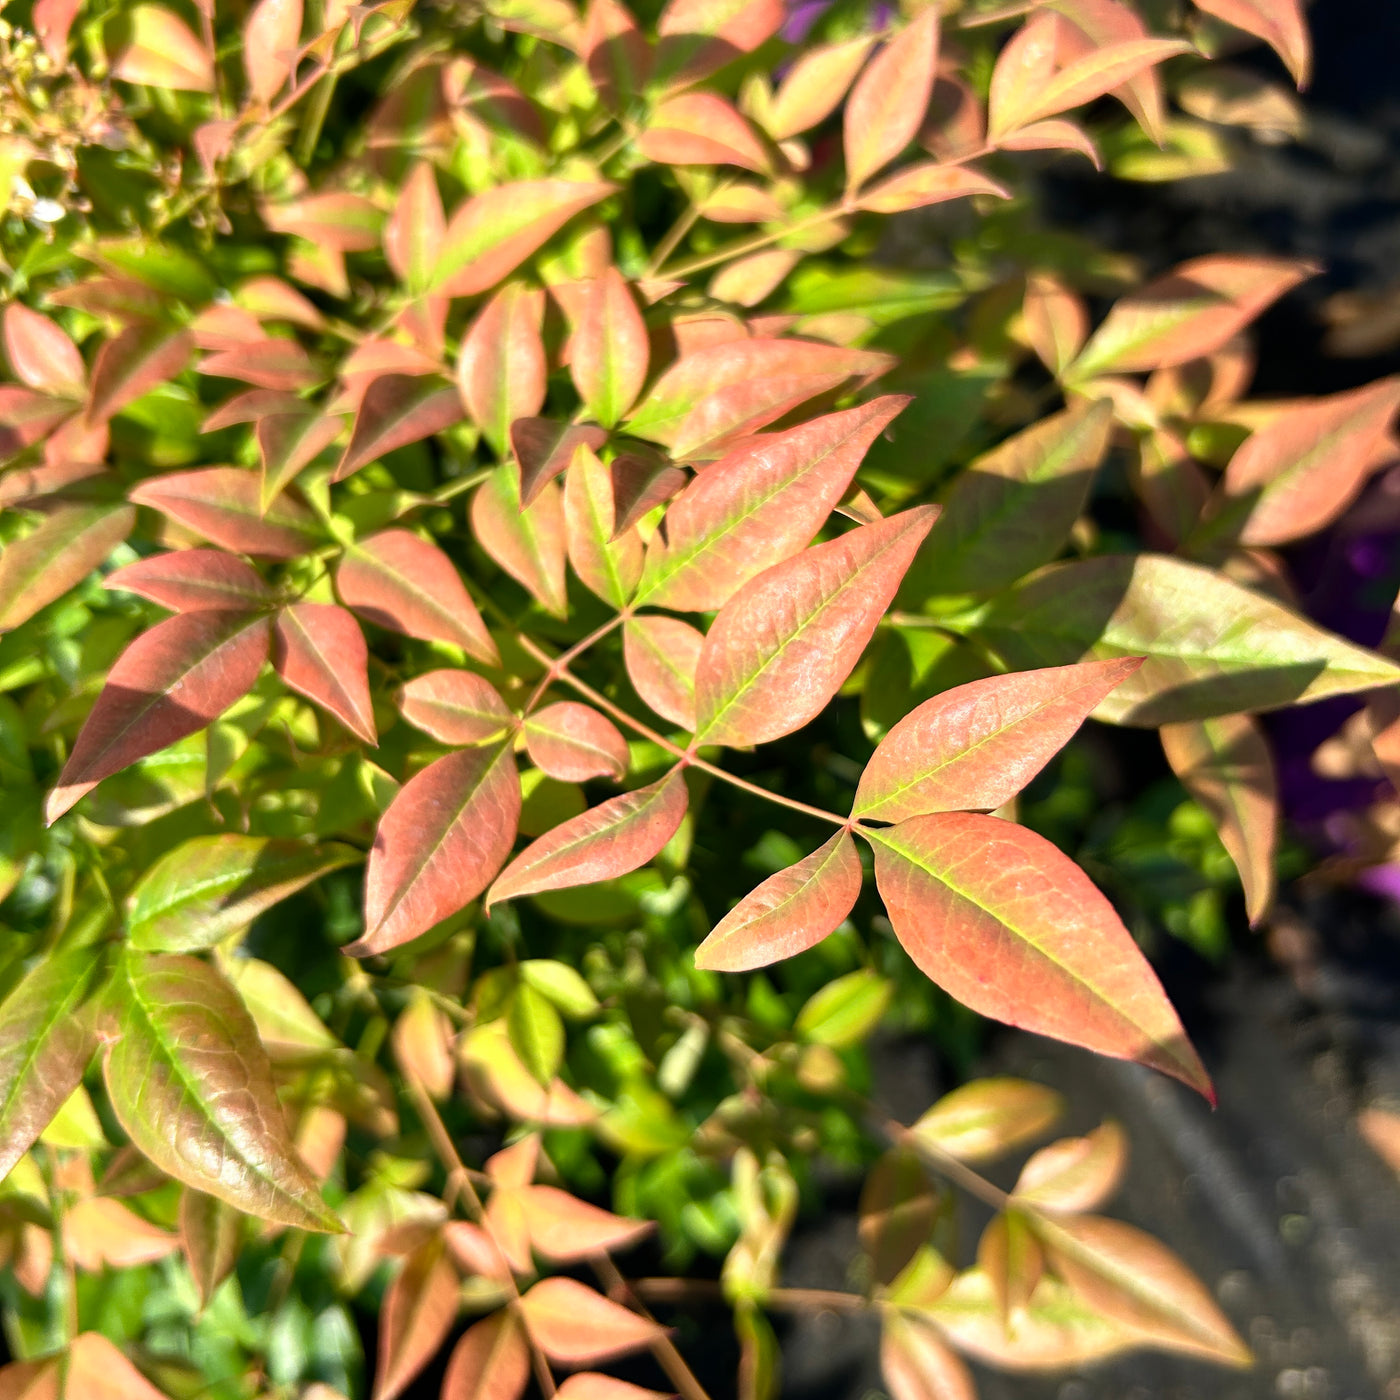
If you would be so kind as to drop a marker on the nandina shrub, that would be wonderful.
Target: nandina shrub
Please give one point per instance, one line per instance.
(508, 682)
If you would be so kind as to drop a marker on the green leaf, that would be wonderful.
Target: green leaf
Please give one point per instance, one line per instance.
(47, 1038)
(536, 1032)
(560, 984)
(845, 1011)
(1210, 646)
(190, 1082)
(212, 886)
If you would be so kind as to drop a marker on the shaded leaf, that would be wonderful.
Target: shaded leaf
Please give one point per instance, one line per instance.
(208, 887)
(396, 580)
(782, 646)
(68, 545)
(789, 912)
(41, 354)
(398, 409)
(740, 386)
(492, 233)
(46, 1041)
(274, 364)
(615, 51)
(319, 650)
(455, 707)
(444, 837)
(1138, 1282)
(1279, 23)
(171, 681)
(573, 742)
(96, 1368)
(845, 1011)
(1011, 927)
(1056, 321)
(593, 1385)
(898, 1207)
(501, 371)
(543, 447)
(1075, 1174)
(209, 1237)
(286, 1024)
(575, 1326)
(662, 655)
(988, 1117)
(610, 350)
(224, 505)
(491, 1362)
(1012, 1260)
(135, 362)
(288, 442)
(699, 36)
(976, 746)
(607, 562)
(530, 544)
(334, 221)
(1189, 313)
(1226, 765)
(886, 107)
(537, 1034)
(194, 580)
(759, 505)
(190, 1083)
(1013, 508)
(495, 1073)
(606, 841)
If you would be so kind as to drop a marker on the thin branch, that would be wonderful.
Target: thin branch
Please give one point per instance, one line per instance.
(560, 665)
(751, 245)
(691, 1290)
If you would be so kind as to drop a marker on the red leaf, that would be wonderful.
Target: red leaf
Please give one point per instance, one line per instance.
(23, 484)
(575, 1326)
(319, 650)
(27, 417)
(564, 1229)
(740, 386)
(1226, 765)
(573, 743)
(928, 183)
(223, 505)
(398, 409)
(491, 1362)
(335, 221)
(414, 235)
(592, 1385)
(269, 364)
(610, 349)
(446, 833)
(194, 580)
(52, 20)
(226, 327)
(606, 841)
(492, 233)
(97, 1369)
(661, 655)
(502, 371)
(1191, 312)
(783, 645)
(41, 354)
(419, 1310)
(289, 442)
(1279, 23)
(250, 407)
(789, 912)
(530, 544)
(396, 580)
(759, 505)
(640, 484)
(1008, 925)
(139, 359)
(1305, 466)
(701, 128)
(455, 707)
(887, 105)
(976, 746)
(68, 545)
(543, 447)
(607, 562)
(269, 46)
(171, 681)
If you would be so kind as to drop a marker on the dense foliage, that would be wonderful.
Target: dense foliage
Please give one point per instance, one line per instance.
(425, 524)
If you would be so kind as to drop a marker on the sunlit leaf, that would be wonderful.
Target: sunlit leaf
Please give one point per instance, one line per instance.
(41, 354)
(813, 87)
(501, 371)
(413, 237)
(194, 580)
(781, 647)
(491, 1362)
(134, 363)
(576, 1326)
(1075, 1174)
(918, 186)
(918, 1365)
(701, 128)
(573, 743)
(224, 504)
(1279, 23)
(289, 442)
(1008, 925)
(67, 546)
(319, 650)
(609, 356)
(269, 41)
(161, 50)
(662, 655)
(398, 409)
(455, 707)
(530, 544)
(417, 1315)
(607, 562)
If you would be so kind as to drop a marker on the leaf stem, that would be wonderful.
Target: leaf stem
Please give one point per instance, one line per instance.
(689, 1290)
(751, 245)
(555, 669)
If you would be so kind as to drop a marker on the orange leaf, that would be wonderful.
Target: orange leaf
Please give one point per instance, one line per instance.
(564, 1229)
(418, 1312)
(789, 912)
(1056, 321)
(814, 87)
(573, 742)
(414, 236)
(925, 184)
(98, 1371)
(269, 46)
(491, 1362)
(610, 350)
(161, 50)
(455, 707)
(104, 1234)
(918, 1365)
(887, 105)
(41, 354)
(661, 655)
(615, 52)
(591, 1385)
(608, 562)
(1075, 1174)
(501, 370)
(334, 220)
(530, 544)
(1279, 23)
(701, 128)
(575, 1326)
(988, 1117)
